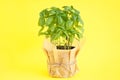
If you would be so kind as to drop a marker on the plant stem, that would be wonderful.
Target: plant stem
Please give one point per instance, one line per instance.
(67, 43)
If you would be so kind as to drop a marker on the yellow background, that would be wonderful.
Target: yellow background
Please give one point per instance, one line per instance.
(21, 54)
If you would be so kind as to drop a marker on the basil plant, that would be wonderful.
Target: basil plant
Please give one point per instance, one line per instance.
(61, 26)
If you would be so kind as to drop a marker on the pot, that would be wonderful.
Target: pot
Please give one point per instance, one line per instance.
(61, 63)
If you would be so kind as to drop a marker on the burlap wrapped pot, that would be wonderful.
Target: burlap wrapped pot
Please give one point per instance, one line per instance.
(61, 63)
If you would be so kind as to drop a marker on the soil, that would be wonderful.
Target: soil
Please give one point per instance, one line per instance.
(65, 47)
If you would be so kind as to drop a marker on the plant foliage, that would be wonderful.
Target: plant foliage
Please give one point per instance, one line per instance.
(62, 26)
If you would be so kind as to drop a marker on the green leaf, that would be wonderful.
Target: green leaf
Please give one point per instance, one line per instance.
(52, 27)
(76, 12)
(69, 24)
(54, 8)
(67, 8)
(60, 20)
(66, 34)
(56, 35)
(44, 13)
(71, 38)
(42, 33)
(80, 20)
(41, 21)
(52, 12)
(71, 31)
(61, 27)
(74, 18)
(63, 35)
(81, 28)
(63, 30)
(79, 35)
(49, 20)
(64, 16)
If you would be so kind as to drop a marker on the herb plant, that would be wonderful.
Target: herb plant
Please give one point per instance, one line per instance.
(62, 26)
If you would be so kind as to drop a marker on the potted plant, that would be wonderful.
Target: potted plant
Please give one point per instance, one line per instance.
(62, 27)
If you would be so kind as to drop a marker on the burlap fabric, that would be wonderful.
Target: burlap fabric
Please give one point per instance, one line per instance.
(61, 63)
